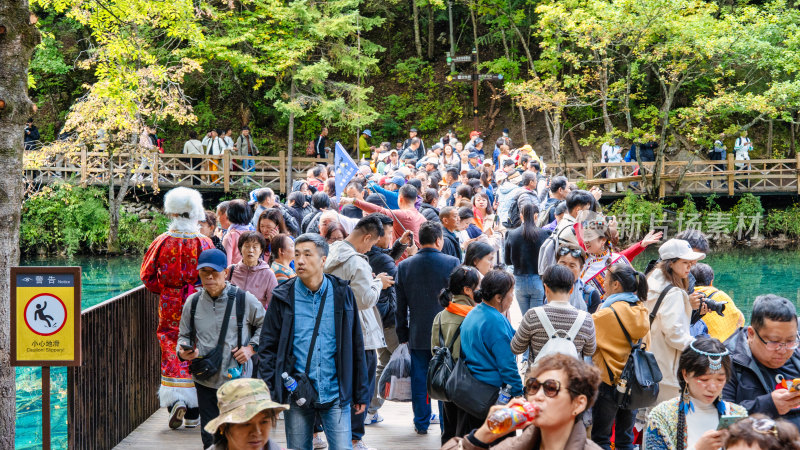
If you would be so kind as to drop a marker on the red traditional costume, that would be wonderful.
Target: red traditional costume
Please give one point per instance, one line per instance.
(170, 270)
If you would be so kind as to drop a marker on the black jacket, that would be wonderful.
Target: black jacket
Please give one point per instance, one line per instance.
(314, 214)
(451, 245)
(429, 212)
(748, 386)
(419, 281)
(276, 347)
(522, 253)
(381, 261)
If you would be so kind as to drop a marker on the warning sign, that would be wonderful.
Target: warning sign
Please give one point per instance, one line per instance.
(45, 307)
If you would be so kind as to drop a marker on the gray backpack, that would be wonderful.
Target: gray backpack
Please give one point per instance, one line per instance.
(549, 250)
(560, 341)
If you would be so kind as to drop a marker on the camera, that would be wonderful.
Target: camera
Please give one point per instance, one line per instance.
(713, 305)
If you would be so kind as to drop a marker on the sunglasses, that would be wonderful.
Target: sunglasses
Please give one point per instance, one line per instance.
(575, 252)
(765, 426)
(551, 387)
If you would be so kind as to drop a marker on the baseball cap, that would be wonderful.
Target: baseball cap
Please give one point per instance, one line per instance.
(414, 129)
(213, 258)
(478, 141)
(398, 180)
(472, 155)
(474, 133)
(678, 248)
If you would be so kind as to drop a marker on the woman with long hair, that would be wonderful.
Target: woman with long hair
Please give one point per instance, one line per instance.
(239, 215)
(522, 251)
(270, 224)
(622, 312)
(670, 329)
(458, 299)
(482, 208)
(690, 420)
(481, 256)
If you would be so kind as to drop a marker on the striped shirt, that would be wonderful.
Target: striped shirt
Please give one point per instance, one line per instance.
(531, 333)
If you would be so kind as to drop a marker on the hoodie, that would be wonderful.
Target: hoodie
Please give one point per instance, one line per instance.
(505, 198)
(259, 280)
(346, 263)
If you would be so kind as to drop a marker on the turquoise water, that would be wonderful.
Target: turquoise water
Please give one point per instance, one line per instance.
(101, 280)
(742, 273)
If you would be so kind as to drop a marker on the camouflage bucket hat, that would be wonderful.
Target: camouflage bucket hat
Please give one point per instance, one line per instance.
(240, 400)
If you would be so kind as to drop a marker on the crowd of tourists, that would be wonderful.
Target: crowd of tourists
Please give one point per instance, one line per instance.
(289, 313)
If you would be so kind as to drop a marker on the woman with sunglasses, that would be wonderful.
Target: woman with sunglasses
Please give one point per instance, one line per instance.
(670, 329)
(561, 388)
(691, 420)
(486, 338)
(458, 299)
(583, 296)
(626, 290)
(759, 432)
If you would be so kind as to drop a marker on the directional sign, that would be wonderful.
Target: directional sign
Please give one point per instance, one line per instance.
(459, 59)
(45, 316)
(490, 77)
(471, 77)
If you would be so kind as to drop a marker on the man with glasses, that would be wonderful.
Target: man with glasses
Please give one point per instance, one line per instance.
(763, 355)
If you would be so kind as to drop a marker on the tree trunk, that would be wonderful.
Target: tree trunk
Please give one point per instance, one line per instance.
(474, 32)
(769, 140)
(431, 37)
(627, 105)
(452, 42)
(112, 243)
(417, 40)
(792, 138)
(662, 140)
(16, 48)
(290, 150)
(523, 125)
(604, 98)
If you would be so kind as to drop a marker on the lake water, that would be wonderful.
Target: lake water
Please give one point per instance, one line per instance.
(742, 273)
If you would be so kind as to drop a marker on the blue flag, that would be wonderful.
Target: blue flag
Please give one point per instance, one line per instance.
(344, 168)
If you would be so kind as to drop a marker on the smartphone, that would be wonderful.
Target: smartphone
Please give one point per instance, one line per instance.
(187, 348)
(726, 421)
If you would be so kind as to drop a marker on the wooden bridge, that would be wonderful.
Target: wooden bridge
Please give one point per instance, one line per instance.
(233, 172)
(166, 170)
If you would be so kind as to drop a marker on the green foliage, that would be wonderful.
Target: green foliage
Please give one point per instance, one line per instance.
(65, 219)
(748, 206)
(637, 207)
(785, 221)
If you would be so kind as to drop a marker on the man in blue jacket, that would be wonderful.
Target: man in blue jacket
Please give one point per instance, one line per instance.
(419, 281)
(763, 355)
(337, 371)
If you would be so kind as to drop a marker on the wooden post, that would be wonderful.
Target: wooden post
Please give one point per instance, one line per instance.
(45, 408)
(662, 189)
(154, 169)
(589, 168)
(797, 170)
(226, 170)
(730, 174)
(84, 164)
(282, 171)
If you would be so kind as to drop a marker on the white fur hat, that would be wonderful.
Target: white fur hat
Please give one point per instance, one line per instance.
(183, 200)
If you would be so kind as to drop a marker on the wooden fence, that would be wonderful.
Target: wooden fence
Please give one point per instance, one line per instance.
(165, 170)
(231, 172)
(116, 388)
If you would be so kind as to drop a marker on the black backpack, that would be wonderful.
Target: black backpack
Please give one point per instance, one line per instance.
(516, 205)
(441, 366)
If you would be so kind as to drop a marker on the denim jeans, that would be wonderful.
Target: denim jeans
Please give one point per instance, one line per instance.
(420, 402)
(248, 165)
(529, 291)
(357, 420)
(335, 422)
(607, 416)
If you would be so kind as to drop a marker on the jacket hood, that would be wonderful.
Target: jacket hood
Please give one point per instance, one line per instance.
(427, 206)
(339, 254)
(656, 282)
(739, 348)
(297, 184)
(258, 267)
(506, 188)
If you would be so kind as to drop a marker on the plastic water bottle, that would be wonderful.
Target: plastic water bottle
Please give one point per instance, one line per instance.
(504, 420)
(291, 385)
(505, 395)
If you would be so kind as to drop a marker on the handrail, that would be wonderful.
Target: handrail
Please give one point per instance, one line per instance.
(116, 388)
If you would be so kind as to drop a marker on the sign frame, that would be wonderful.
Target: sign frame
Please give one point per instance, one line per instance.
(75, 271)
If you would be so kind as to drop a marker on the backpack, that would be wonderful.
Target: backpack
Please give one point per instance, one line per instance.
(544, 216)
(549, 250)
(311, 149)
(560, 341)
(441, 366)
(513, 212)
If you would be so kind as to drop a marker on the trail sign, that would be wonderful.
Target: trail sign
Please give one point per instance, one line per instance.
(487, 76)
(473, 77)
(45, 316)
(460, 59)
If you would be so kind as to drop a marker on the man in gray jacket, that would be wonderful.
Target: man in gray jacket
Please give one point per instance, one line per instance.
(347, 260)
(245, 146)
(212, 306)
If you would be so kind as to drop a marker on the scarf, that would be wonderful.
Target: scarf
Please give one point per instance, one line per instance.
(629, 297)
(242, 228)
(459, 310)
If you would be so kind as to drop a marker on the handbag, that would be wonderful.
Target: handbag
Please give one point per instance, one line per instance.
(468, 393)
(441, 366)
(637, 386)
(305, 388)
(205, 367)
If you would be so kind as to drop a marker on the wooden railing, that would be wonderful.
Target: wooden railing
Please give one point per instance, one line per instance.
(164, 170)
(116, 388)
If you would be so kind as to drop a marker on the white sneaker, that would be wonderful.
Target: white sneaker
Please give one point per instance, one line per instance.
(191, 423)
(372, 419)
(280, 415)
(434, 419)
(318, 442)
(360, 445)
(176, 416)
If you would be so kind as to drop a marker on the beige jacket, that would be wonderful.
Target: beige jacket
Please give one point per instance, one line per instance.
(669, 332)
(530, 438)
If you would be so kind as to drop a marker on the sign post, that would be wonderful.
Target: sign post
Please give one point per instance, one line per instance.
(475, 77)
(46, 324)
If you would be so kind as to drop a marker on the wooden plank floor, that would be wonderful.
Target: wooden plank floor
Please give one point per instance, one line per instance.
(395, 432)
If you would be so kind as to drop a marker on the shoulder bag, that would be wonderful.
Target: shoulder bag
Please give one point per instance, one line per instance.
(468, 393)
(305, 388)
(205, 367)
(441, 366)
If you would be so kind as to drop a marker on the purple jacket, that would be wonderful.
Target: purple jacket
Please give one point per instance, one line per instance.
(259, 280)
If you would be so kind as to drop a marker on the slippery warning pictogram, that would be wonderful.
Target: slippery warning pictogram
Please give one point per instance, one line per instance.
(45, 314)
